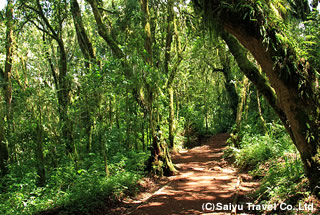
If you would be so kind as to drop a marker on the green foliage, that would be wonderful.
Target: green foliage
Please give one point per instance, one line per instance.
(282, 179)
(273, 158)
(257, 149)
(111, 114)
(71, 190)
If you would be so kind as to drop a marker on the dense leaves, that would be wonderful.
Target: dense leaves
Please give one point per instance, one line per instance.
(94, 93)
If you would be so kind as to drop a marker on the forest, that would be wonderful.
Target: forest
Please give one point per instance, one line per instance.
(97, 96)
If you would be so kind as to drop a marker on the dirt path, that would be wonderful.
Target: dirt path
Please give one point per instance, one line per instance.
(203, 177)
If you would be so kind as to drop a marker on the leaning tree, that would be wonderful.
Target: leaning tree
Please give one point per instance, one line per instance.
(289, 81)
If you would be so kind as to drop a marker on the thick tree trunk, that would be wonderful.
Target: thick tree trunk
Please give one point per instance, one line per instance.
(297, 103)
(297, 97)
(160, 161)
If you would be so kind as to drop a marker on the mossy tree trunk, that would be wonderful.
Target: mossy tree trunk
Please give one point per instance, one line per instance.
(4, 152)
(263, 122)
(296, 98)
(90, 64)
(146, 101)
(235, 136)
(160, 161)
(5, 77)
(229, 83)
(169, 37)
(41, 171)
(53, 30)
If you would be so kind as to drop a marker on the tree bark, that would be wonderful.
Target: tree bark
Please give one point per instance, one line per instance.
(229, 84)
(62, 82)
(4, 152)
(7, 91)
(147, 102)
(167, 59)
(39, 152)
(9, 61)
(297, 98)
(264, 125)
(90, 59)
(235, 136)
(83, 39)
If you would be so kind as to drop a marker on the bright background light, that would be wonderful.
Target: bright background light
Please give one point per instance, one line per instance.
(3, 4)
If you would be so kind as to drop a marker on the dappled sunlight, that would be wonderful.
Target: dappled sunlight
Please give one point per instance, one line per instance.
(203, 177)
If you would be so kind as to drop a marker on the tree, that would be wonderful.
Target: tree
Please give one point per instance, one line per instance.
(145, 99)
(54, 31)
(5, 77)
(263, 31)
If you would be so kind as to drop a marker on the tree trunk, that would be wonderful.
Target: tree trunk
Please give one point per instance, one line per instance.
(264, 125)
(243, 98)
(229, 84)
(87, 51)
(171, 28)
(171, 119)
(104, 154)
(4, 152)
(9, 61)
(160, 161)
(39, 152)
(7, 91)
(62, 82)
(128, 71)
(235, 136)
(297, 97)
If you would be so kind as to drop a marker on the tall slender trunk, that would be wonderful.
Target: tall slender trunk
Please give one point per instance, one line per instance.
(205, 102)
(39, 150)
(4, 152)
(90, 58)
(243, 98)
(235, 137)
(8, 62)
(264, 125)
(7, 91)
(229, 84)
(171, 119)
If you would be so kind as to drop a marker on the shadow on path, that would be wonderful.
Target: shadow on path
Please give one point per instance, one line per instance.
(204, 176)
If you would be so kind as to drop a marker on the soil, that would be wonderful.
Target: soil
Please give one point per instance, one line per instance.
(204, 177)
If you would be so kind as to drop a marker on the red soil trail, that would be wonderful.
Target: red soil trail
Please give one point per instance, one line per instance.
(204, 176)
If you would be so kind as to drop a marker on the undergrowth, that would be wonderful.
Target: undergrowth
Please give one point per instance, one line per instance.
(272, 158)
(73, 191)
